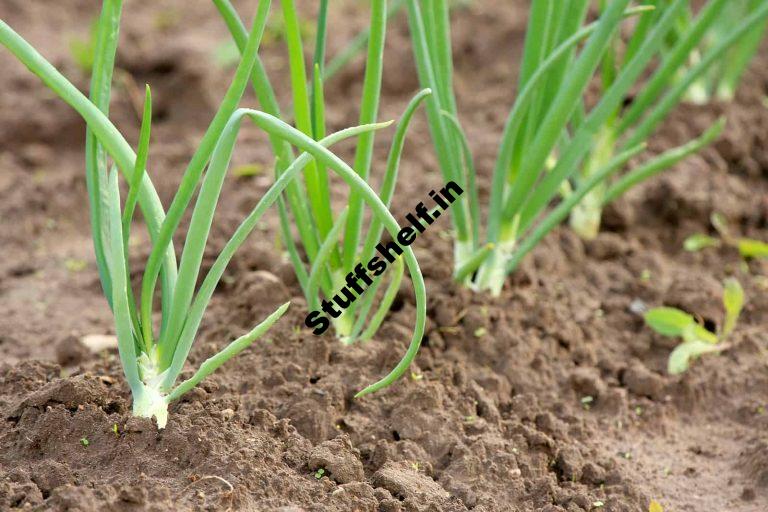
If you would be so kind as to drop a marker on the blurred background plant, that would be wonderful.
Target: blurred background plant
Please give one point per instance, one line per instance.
(563, 151)
(722, 80)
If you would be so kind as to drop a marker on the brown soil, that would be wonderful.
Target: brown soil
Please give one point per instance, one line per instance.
(492, 417)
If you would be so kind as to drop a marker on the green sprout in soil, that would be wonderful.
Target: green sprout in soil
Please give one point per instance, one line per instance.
(697, 340)
(748, 248)
(553, 147)
(84, 441)
(75, 265)
(319, 473)
(152, 353)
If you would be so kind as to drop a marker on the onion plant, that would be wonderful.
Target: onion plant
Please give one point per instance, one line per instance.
(722, 79)
(683, 44)
(627, 124)
(552, 146)
(331, 245)
(152, 353)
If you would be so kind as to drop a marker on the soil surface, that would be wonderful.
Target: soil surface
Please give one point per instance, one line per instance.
(494, 415)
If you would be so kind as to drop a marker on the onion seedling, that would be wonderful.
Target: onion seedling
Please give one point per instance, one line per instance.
(697, 340)
(153, 356)
(332, 244)
(748, 248)
(551, 146)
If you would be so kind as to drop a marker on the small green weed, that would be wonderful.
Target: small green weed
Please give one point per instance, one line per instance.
(748, 248)
(697, 340)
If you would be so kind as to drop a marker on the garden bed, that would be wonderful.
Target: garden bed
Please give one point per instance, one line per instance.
(552, 397)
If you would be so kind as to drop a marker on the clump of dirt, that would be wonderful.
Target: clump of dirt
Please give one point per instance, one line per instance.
(553, 397)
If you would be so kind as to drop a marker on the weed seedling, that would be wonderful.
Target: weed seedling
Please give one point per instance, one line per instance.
(697, 340)
(748, 248)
